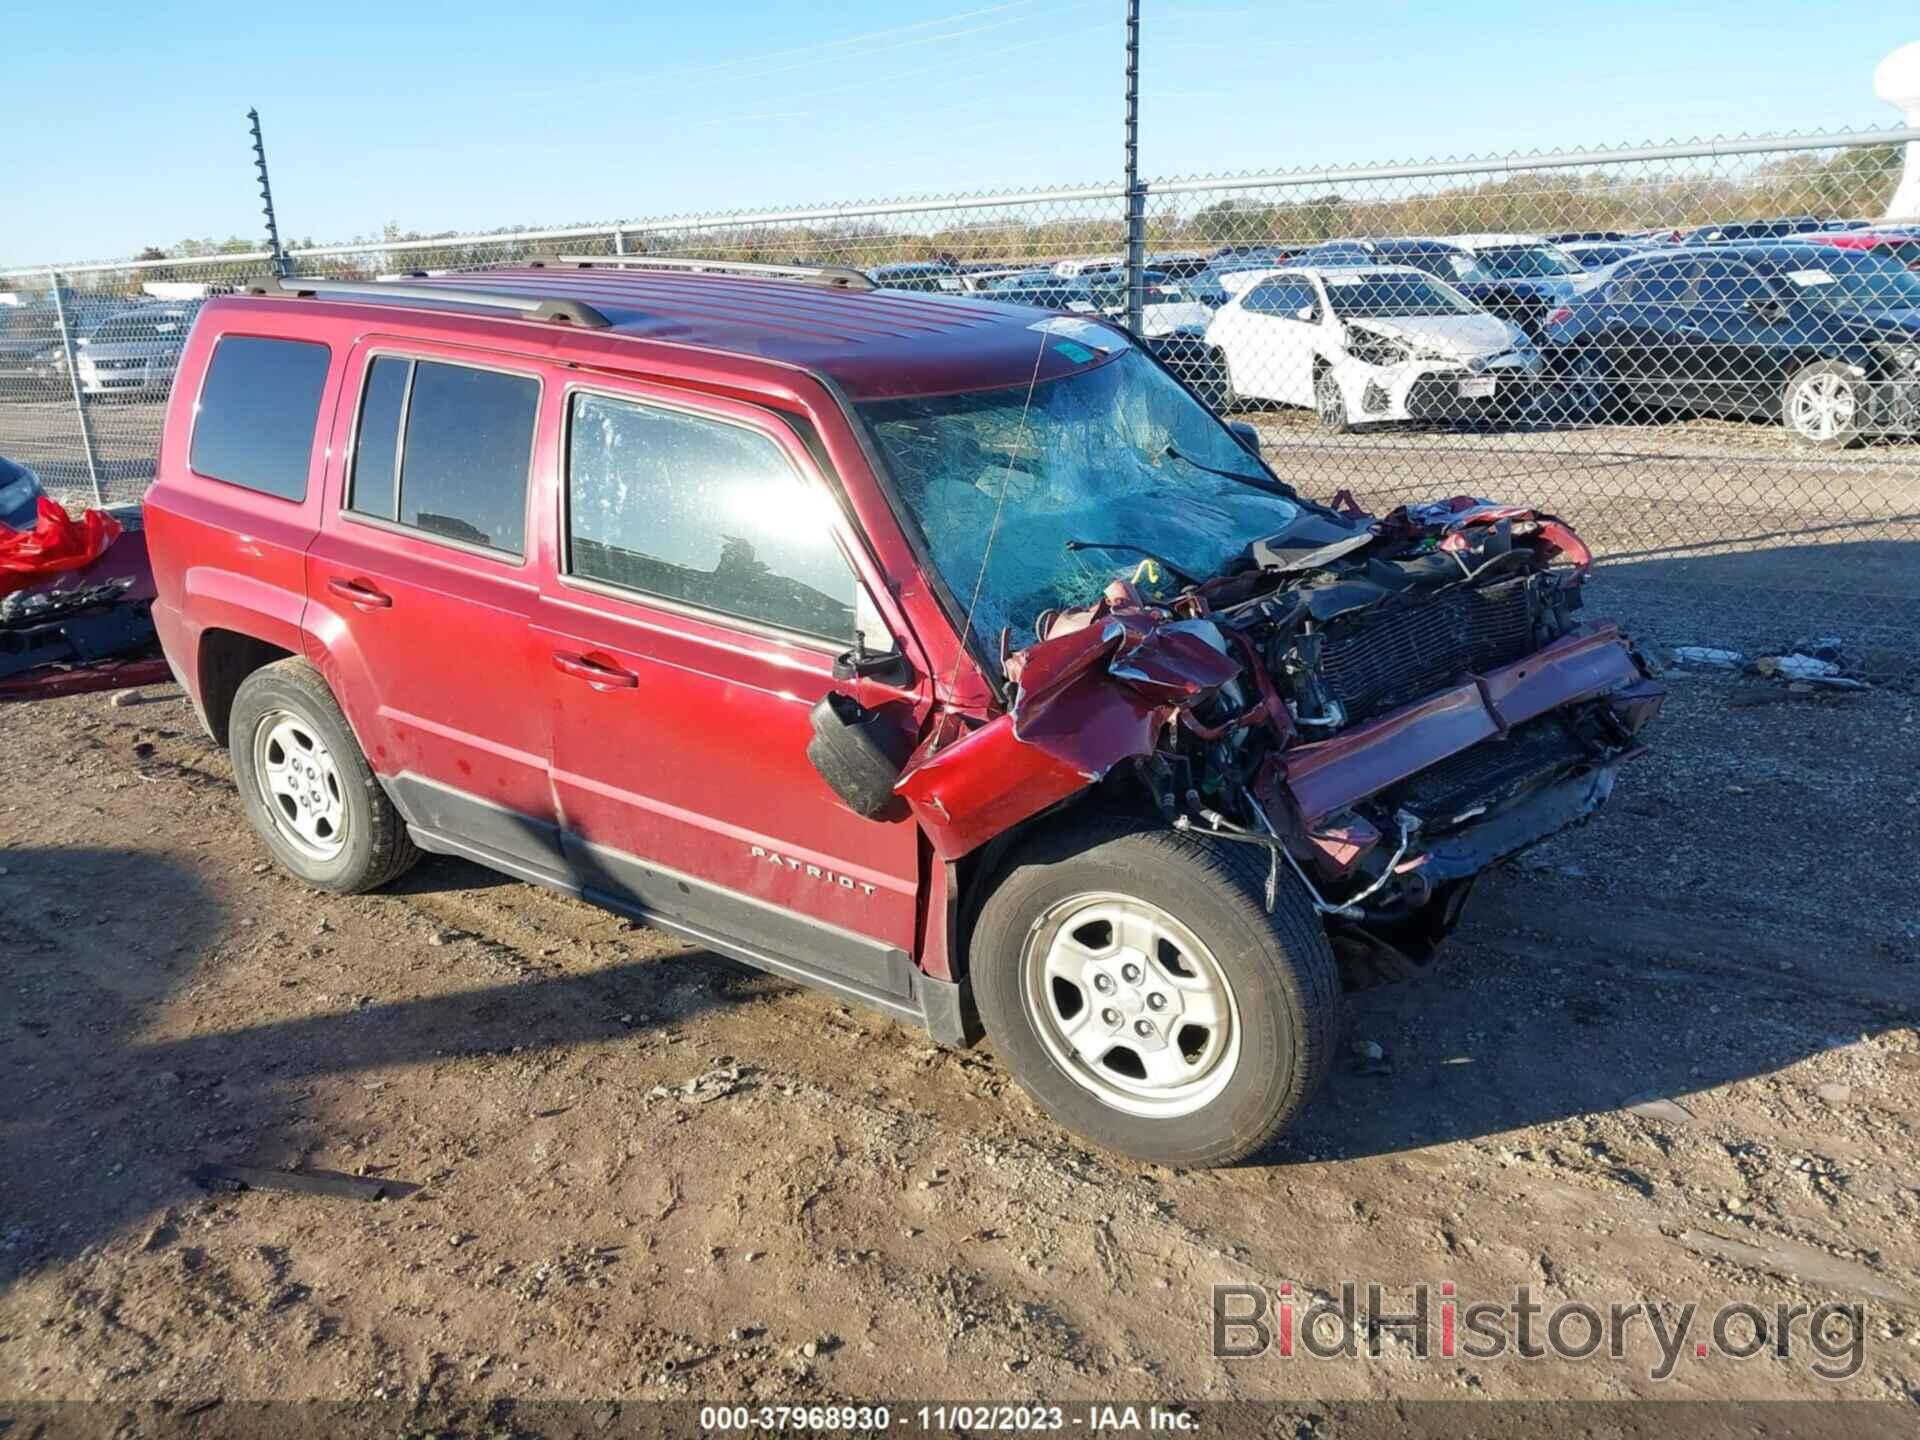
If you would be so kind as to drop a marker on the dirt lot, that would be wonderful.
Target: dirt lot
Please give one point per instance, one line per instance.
(650, 1173)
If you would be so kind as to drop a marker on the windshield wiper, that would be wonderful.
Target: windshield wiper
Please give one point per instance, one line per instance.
(1264, 482)
(1160, 560)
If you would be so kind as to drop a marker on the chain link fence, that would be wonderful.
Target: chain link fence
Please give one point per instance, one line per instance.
(1704, 356)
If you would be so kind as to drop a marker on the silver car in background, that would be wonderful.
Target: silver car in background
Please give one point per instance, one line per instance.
(134, 353)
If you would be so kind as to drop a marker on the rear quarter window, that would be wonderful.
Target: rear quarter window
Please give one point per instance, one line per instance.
(259, 405)
(256, 415)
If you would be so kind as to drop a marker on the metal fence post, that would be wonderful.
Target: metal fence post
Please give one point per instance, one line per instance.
(73, 384)
(1136, 192)
(619, 241)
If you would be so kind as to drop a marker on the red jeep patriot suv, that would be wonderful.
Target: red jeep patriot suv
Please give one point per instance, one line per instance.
(947, 654)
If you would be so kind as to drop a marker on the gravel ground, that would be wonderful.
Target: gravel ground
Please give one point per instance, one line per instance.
(647, 1173)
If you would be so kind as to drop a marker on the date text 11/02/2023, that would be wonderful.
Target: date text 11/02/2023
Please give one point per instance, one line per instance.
(1091, 1418)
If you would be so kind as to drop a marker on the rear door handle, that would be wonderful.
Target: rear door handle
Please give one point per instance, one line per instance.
(601, 676)
(360, 593)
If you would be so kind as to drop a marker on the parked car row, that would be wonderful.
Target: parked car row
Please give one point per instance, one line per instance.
(1821, 337)
(1812, 323)
(120, 348)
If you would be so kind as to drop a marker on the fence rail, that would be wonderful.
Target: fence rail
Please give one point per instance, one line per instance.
(1736, 442)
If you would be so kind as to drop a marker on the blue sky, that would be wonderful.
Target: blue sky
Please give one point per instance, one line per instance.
(128, 123)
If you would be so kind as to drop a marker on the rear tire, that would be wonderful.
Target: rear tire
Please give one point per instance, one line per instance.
(1588, 392)
(1100, 926)
(306, 788)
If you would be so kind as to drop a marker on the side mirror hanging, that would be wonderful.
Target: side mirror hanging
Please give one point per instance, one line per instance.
(889, 667)
(859, 753)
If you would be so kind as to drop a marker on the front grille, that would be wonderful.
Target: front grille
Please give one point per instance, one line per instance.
(1373, 665)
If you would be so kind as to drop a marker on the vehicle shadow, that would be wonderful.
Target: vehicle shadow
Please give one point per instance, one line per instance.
(118, 1094)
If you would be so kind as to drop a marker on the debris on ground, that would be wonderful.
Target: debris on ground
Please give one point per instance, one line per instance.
(215, 1175)
(1710, 657)
(1796, 667)
(714, 1084)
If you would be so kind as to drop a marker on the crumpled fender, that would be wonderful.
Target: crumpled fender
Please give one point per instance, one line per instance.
(1098, 690)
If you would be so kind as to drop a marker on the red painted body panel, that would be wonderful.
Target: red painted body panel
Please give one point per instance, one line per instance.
(225, 557)
(701, 763)
(971, 789)
(441, 680)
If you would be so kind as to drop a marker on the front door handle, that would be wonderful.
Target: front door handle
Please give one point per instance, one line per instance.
(603, 677)
(360, 593)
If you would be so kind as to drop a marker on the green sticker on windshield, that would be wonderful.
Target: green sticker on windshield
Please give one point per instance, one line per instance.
(1078, 354)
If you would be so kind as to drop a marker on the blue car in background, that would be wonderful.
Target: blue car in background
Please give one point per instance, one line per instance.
(1520, 278)
(1823, 340)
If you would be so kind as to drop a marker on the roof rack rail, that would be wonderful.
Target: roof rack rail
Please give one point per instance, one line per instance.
(840, 277)
(533, 307)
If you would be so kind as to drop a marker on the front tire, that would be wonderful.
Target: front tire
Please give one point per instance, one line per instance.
(306, 788)
(1330, 403)
(1135, 983)
(1824, 406)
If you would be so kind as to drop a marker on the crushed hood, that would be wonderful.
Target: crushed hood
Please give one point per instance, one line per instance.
(1105, 683)
(1459, 337)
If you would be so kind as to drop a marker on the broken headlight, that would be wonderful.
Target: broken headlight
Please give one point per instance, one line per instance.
(1901, 359)
(1370, 347)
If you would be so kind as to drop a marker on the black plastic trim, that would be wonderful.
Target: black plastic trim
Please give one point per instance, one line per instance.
(796, 947)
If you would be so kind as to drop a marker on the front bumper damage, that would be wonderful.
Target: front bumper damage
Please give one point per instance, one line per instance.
(1501, 387)
(1384, 817)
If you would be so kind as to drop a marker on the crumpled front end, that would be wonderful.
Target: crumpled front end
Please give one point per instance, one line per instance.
(1440, 388)
(1387, 706)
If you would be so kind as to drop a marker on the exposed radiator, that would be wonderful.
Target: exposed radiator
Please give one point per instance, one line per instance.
(1376, 664)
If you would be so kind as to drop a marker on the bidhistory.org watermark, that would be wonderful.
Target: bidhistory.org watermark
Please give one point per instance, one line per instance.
(1434, 1321)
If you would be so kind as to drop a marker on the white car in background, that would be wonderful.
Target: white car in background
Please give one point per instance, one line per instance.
(1368, 344)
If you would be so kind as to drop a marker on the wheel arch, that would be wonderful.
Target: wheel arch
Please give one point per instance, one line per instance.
(224, 660)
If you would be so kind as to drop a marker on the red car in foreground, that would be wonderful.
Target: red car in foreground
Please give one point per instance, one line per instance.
(946, 654)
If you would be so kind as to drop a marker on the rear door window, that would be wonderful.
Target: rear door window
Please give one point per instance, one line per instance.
(446, 449)
(258, 408)
(1728, 285)
(705, 513)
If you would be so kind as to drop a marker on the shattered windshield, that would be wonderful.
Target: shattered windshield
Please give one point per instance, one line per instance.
(1111, 454)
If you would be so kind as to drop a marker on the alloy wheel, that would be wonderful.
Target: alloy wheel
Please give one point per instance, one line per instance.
(300, 785)
(1131, 1005)
(1329, 401)
(1822, 406)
